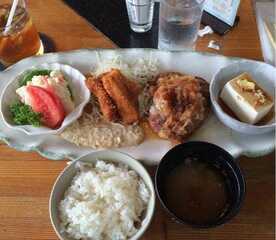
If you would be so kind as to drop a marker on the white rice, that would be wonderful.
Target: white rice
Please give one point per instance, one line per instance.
(104, 201)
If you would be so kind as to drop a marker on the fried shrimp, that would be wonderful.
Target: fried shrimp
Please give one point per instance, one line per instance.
(115, 85)
(117, 96)
(108, 108)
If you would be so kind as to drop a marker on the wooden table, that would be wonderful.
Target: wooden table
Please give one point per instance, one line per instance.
(27, 178)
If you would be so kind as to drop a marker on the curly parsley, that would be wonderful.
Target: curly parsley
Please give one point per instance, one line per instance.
(23, 114)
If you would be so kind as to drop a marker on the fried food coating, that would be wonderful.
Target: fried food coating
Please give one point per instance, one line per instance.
(108, 108)
(114, 82)
(134, 90)
(180, 105)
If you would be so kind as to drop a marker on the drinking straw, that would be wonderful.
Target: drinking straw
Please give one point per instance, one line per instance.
(10, 18)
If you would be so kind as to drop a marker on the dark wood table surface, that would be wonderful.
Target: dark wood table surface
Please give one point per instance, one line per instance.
(26, 178)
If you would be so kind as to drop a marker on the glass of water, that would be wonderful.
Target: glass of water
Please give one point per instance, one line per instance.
(179, 21)
(140, 14)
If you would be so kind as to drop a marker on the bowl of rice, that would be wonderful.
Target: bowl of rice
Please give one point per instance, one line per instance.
(103, 195)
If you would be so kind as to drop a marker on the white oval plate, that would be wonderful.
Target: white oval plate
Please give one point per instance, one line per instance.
(150, 151)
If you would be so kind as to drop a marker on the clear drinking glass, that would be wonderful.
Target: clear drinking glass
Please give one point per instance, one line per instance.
(140, 14)
(20, 39)
(179, 21)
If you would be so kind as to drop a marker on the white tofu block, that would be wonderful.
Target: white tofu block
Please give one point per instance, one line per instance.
(242, 108)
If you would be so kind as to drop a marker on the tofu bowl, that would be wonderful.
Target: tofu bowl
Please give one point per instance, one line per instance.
(102, 195)
(44, 99)
(221, 93)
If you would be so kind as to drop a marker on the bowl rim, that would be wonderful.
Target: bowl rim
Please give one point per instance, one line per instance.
(224, 115)
(149, 183)
(47, 130)
(236, 171)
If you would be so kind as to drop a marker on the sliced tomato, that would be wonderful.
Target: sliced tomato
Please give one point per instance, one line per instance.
(48, 104)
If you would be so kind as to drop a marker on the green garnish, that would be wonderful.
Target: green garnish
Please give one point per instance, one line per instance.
(70, 91)
(30, 74)
(23, 114)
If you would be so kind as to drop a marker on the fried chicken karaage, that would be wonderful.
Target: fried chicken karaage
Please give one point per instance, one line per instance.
(180, 105)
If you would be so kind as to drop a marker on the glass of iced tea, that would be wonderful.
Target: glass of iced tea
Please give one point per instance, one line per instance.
(20, 39)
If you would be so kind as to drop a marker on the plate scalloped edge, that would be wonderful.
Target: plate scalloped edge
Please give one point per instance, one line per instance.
(238, 150)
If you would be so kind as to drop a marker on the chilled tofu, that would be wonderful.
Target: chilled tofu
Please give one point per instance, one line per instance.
(246, 99)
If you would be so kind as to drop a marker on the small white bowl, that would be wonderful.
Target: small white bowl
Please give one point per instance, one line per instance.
(81, 95)
(65, 178)
(262, 73)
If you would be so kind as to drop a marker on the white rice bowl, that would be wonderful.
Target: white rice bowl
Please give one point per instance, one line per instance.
(104, 201)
